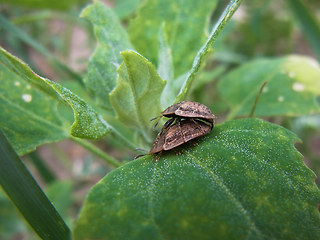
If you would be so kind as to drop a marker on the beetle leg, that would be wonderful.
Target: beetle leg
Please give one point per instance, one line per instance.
(178, 152)
(210, 122)
(166, 125)
(169, 122)
(156, 124)
(158, 157)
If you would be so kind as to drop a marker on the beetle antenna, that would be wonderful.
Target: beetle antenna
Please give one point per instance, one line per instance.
(141, 149)
(154, 127)
(158, 157)
(154, 118)
(141, 155)
(257, 99)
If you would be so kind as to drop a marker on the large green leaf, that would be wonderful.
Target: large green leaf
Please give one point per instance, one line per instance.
(185, 25)
(136, 98)
(124, 8)
(28, 106)
(112, 39)
(291, 89)
(245, 180)
(165, 69)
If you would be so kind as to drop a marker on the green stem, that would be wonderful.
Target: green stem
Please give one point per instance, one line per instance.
(257, 100)
(217, 28)
(92, 148)
(42, 168)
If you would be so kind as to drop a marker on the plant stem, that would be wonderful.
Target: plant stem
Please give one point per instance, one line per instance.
(92, 148)
(199, 58)
(257, 100)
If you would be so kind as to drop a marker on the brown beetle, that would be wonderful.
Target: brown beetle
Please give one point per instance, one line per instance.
(179, 133)
(186, 109)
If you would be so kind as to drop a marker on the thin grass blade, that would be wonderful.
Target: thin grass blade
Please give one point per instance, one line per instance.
(28, 197)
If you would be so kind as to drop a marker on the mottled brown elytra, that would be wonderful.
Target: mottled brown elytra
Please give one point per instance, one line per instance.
(186, 109)
(179, 133)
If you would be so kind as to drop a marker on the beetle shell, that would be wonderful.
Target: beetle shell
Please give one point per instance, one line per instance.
(179, 133)
(188, 109)
(188, 130)
(158, 143)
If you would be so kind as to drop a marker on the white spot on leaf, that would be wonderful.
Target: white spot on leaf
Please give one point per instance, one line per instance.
(16, 83)
(27, 98)
(292, 74)
(280, 99)
(313, 63)
(298, 87)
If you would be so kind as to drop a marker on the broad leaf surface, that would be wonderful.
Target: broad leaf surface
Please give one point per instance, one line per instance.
(165, 69)
(291, 90)
(136, 98)
(28, 106)
(185, 25)
(124, 8)
(245, 180)
(112, 39)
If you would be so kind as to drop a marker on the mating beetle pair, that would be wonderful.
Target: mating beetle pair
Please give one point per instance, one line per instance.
(188, 120)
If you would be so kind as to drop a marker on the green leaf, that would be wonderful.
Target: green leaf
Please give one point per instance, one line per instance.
(245, 180)
(27, 196)
(112, 39)
(29, 108)
(185, 25)
(28, 116)
(57, 5)
(199, 58)
(124, 8)
(165, 69)
(44, 171)
(291, 90)
(136, 98)
(309, 24)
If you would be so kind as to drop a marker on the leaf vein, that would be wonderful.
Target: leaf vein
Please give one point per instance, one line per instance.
(150, 191)
(37, 117)
(229, 192)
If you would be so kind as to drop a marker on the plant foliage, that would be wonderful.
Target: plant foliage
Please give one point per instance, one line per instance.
(227, 187)
(244, 180)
